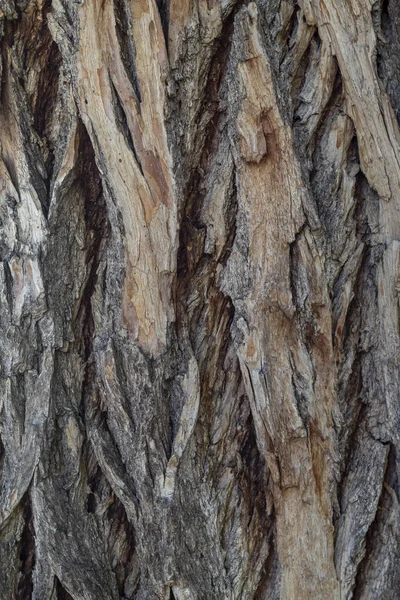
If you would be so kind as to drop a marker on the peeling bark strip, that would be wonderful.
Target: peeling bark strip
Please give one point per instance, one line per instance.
(199, 314)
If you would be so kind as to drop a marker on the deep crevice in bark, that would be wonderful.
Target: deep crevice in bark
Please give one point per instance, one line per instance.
(121, 543)
(35, 52)
(123, 20)
(122, 122)
(254, 473)
(288, 35)
(171, 595)
(2, 455)
(97, 233)
(308, 57)
(386, 21)
(27, 553)
(320, 179)
(209, 77)
(193, 264)
(48, 56)
(387, 30)
(192, 229)
(8, 280)
(61, 593)
(163, 10)
(268, 587)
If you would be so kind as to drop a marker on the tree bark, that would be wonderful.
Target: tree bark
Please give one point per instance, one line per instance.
(199, 299)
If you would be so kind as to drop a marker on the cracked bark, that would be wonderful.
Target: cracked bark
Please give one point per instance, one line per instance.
(199, 328)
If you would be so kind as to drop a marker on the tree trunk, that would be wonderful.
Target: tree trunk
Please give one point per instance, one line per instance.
(199, 320)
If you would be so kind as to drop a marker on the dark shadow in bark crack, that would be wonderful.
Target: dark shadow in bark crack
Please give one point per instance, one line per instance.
(27, 553)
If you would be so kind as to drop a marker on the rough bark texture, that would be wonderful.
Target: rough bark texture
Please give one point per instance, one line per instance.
(199, 312)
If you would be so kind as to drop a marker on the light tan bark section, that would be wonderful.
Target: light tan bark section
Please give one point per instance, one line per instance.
(273, 355)
(145, 198)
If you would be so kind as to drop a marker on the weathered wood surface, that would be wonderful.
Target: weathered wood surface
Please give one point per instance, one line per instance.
(199, 299)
